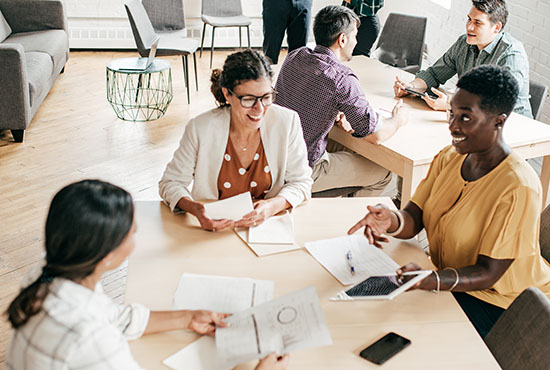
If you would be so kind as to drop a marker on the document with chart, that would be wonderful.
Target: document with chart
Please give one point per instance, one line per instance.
(283, 325)
(338, 255)
(221, 293)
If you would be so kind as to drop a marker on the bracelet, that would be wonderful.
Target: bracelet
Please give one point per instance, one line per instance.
(438, 282)
(457, 277)
(401, 224)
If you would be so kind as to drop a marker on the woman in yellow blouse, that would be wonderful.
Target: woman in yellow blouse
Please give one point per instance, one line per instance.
(480, 204)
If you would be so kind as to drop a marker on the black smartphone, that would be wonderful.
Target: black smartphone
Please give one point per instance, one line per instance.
(385, 348)
(428, 92)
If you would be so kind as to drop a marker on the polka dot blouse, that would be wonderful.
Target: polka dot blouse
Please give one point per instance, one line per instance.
(234, 179)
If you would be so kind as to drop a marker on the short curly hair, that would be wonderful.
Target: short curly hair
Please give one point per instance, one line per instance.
(497, 89)
(239, 67)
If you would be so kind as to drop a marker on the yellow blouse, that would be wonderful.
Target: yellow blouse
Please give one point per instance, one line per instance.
(497, 216)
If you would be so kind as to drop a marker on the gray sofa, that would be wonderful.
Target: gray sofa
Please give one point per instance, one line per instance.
(34, 47)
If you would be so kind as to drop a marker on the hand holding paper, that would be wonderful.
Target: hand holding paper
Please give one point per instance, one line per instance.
(234, 208)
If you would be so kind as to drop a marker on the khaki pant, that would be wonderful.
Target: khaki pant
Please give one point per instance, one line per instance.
(343, 168)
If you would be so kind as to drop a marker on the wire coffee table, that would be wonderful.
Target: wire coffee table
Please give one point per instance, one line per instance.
(139, 96)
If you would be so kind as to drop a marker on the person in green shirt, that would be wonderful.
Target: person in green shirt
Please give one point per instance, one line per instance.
(370, 24)
(483, 43)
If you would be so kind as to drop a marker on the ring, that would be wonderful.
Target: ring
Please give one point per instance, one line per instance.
(254, 223)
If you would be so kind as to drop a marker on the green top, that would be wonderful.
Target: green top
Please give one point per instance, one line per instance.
(364, 7)
(461, 57)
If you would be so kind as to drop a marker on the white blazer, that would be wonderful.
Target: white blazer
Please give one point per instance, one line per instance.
(194, 169)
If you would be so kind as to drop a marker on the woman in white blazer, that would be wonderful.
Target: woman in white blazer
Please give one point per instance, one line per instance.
(245, 144)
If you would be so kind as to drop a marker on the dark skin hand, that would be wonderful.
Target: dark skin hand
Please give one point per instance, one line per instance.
(483, 275)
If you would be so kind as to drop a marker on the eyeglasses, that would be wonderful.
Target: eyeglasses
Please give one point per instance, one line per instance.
(248, 101)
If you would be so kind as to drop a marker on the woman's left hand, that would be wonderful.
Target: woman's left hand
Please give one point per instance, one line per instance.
(424, 284)
(205, 322)
(263, 209)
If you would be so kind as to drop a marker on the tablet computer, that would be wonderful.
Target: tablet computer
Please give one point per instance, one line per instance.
(383, 287)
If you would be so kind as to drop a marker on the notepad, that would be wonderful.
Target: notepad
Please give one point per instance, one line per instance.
(274, 230)
(233, 208)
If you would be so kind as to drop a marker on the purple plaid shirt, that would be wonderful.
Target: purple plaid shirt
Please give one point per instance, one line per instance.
(317, 85)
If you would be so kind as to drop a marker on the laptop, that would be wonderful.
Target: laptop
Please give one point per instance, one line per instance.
(142, 64)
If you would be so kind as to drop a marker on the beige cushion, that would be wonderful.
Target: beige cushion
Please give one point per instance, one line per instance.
(5, 29)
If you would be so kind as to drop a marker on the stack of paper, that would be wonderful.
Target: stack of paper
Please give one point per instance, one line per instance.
(367, 260)
(221, 294)
(233, 208)
(274, 235)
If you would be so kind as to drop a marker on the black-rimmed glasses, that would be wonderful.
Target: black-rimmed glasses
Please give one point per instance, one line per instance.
(248, 101)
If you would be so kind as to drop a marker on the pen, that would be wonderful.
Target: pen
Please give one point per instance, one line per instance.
(408, 273)
(349, 258)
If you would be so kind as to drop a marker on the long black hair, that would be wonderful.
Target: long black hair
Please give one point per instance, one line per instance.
(86, 221)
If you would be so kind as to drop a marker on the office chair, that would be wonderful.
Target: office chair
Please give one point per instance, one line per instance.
(519, 338)
(537, 97)
(144, 35)
(227, 13)
(401, 42)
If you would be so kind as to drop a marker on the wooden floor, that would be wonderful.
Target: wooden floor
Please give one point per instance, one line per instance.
(76, 135)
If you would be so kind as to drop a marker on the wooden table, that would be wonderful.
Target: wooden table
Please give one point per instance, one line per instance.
(169, 245)
(410, 151)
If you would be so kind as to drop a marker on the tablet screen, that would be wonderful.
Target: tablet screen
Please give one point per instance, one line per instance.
(374, 286)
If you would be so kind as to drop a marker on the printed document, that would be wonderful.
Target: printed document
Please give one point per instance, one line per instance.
(233, 208)
(339, 254)
(220, 293)
(283, 325)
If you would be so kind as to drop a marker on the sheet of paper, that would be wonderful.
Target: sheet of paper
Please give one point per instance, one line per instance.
(199, 355)
(274, 230)
(367, 259)
(220, 293)
(233, 208)
(264, 249)
(283, 325)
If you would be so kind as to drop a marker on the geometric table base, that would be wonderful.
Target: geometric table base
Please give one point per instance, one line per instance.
(140, 95)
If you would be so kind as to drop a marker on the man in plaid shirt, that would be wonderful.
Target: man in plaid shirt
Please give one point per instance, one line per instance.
(370, 24)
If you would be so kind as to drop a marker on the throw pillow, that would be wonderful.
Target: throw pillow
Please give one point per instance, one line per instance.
(5, 29)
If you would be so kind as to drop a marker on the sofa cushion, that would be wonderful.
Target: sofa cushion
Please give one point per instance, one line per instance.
(39, 71)
(5, 28)
(52, 42)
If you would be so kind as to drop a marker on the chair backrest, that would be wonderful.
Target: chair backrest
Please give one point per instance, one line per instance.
(519, 338)
(544, 237)
(537, 96)
(401, 41)
(142, 28)
(165, 15)
(225, 8)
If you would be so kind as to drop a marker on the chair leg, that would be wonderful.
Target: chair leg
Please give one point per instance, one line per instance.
(18, 135)
(186, 76)
(240, 39)
(202, 38)
(195, 65)
(248, 33)
(212, 46)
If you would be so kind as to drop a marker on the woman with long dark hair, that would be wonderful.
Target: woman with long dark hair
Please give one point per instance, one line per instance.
(63, 320)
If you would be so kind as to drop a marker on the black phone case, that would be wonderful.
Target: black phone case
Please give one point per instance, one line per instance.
(378, 352)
